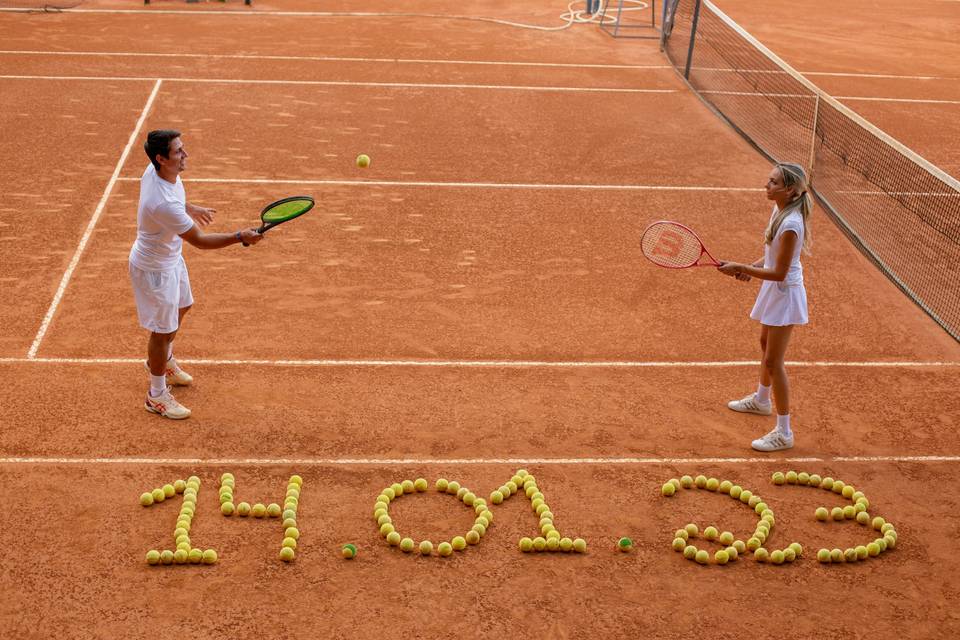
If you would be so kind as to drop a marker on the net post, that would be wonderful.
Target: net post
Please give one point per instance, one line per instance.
(693, 37)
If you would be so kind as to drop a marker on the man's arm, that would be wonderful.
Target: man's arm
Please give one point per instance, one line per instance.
(202, 240)
(201, 215)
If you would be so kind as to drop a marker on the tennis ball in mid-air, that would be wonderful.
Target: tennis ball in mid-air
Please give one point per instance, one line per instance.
(625, 544)
(349, 551)
(363, 161)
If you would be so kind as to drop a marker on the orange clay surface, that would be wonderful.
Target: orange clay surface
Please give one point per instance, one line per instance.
(497, 224)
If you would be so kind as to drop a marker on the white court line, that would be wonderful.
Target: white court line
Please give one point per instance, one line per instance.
(479, 185)
(341, 83)
(240, 56)
(506, 63)
(494, 364)
(381, 462)
(93, 222)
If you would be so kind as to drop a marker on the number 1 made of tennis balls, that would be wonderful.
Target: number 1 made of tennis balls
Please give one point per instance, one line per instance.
(363, 161)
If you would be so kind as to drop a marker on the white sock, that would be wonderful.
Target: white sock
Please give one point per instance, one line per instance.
(763, 394)
(783, 425)
(158, 384)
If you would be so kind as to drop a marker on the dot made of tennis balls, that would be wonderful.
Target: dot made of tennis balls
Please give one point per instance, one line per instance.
(823, 555)
(146, 499)
(624, 544)
(668, 490)
(363, 161)
(721, 556)
(287, 554)
(243, 509)
(821, 514)
(686, 482)
(209, 556)
(702, 557)
(153, 557)
(777, 478)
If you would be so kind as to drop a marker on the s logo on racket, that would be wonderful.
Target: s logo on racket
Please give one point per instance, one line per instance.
(283, 210)
(674, 246)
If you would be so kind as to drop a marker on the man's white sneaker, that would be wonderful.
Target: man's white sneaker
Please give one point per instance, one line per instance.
(166, 405)
(773, 441)
(174, 374)
(751, 405)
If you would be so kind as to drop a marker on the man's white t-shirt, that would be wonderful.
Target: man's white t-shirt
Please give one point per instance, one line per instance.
(161, 218)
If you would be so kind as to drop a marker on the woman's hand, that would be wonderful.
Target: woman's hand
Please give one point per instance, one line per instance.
(733, 269)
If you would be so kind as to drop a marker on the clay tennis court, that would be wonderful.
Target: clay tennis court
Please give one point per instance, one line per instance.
(473, 303)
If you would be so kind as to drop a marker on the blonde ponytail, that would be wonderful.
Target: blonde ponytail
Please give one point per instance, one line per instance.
(796, 178)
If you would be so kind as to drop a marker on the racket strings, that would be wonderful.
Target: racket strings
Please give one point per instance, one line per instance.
(670, 245)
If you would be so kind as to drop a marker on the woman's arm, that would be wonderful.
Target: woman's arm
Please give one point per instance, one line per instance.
(788, 244)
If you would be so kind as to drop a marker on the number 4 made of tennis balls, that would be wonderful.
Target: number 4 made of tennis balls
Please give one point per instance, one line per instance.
(291, 502)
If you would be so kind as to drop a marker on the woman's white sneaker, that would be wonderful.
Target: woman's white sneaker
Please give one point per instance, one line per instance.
(773, 441)
(751, 405)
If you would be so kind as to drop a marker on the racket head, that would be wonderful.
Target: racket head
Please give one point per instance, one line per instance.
(284, 209)
(673, 246)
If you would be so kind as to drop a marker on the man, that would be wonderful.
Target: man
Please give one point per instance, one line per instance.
(161, 284)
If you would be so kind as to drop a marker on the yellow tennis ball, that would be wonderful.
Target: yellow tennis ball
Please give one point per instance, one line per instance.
(420, 484)
(227, 508)
(153, 556)
(539, 543)
(158, 495)
(761, 554)
(791, 477)
(700, 481)
(209, 556)
(442, 484)
(702, 557)
(710, 533)
(624, 544)
(168, 491)
(789, 555)
(349, 551)
(580, 545)
(692, 529)
(821, 514)
(444, 549)
(292, 532)
(712, 484)
(778, 478)
(863, 518)
(473, 536)
(273, 510)
(407, 545)
(725, 486)
(243, 509)
(496, 497)
(258, 510)
(363, 161)
(181, 556)
(287, 554)
(179, 486)
(823, 555)
(526, 545)
(679, 544)
(566, 544)
(459, 543)
(196, 556)
(721, 556)
(668, 490)
(686, 482)
(289, 542)
(426, 548)
(146, 499)
(726, 538)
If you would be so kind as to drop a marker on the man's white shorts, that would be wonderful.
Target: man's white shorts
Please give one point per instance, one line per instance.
(160, 295)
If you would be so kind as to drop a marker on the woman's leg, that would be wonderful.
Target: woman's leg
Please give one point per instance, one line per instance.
(776, 373)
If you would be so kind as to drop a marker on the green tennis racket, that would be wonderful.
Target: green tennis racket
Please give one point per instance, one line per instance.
(283, 211)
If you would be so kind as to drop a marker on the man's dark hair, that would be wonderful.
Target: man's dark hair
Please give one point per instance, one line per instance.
(158, 142)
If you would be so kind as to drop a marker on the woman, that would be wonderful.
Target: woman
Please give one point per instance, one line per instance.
(782, 301)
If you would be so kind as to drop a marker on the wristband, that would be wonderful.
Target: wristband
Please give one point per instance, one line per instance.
(240, 238)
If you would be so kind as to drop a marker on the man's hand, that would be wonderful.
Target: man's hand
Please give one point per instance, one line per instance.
(201, 215)
(250, 236)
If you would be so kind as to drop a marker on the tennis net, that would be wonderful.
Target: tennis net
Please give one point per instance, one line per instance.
(901, 211)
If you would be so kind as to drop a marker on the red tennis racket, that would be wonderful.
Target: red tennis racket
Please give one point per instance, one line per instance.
(674, 246)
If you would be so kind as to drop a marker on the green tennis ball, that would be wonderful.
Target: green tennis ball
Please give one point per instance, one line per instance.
(735, 491)
(496, 497)
(473, 537)
(725, 486)
(712, 484)
(153, 557)
(273, 510)
(814, 480)
(146, 499)
(363, 161)
(539, 543)
(861, 552)
(797, 549)
(838, 486)
(732, 553)
(682, 533)
(702, 557)
(420, 484)
(823, 555)
(292, 532)
(566, 544)
(847, 491)
(803, 478)
(821, 514)
(878, 523)
(789, 555)
(181, 556)
(827, 483)
(625, 544)
(836, 555)
(444, 549)
(287, 554)
(849, 512)
(668, 490)
(837, 513)
(289, 542)
(196, 556)
(349, 551)
(169, 491)
(209, 556)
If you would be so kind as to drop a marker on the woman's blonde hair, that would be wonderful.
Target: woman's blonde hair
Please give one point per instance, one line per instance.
(794, 177)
